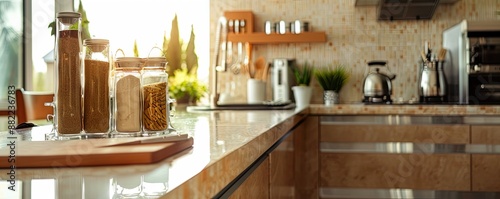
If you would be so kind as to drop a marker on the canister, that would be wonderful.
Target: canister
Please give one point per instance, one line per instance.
(68, 86)
(154, 80)
(96, 95)
(127, 94)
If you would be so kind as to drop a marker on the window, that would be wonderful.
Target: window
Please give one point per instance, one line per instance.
(11, 49)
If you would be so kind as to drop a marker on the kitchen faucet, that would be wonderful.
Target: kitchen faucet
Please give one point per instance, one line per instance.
(219, 58)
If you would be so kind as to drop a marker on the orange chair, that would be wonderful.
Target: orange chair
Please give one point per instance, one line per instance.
(31, 105)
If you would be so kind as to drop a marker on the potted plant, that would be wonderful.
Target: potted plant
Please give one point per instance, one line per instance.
(302, 92)
(185, 87)
(332, 79)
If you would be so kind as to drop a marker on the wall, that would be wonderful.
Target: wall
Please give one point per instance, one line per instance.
(354, 37)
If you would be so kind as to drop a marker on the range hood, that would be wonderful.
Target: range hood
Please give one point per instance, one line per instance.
(404, 9)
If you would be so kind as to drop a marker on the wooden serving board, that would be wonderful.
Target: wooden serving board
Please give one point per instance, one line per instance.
(98, 152)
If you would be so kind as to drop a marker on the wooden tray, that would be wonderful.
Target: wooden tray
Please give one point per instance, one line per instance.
(75, 153)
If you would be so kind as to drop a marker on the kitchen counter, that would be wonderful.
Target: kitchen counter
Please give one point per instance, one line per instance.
(406, 109)
(226, 143)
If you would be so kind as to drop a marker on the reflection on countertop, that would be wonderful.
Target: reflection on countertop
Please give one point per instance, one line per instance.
(221, 139)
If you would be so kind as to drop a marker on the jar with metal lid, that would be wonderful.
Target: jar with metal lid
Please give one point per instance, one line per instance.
(154, 79)
(68, 83)
(96, 95)
(127, 97)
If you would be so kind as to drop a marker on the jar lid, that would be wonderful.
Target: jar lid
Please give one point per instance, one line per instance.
(155, 62)
(95, 42)
(128, 62)
(68, 14)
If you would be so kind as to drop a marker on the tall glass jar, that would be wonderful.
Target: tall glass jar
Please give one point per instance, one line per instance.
(127, 96)
(96, 95)
(68, 86)
(155, 94)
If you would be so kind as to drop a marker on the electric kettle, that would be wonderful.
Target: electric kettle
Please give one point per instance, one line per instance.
(377, 86)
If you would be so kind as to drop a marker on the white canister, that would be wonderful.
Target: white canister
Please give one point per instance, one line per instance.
(256, 91)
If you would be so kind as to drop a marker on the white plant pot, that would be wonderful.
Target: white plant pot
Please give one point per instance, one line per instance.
(302, 95)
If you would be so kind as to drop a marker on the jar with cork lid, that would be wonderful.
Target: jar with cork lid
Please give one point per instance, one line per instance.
(154, 80)
(96, 92)
(128, 97)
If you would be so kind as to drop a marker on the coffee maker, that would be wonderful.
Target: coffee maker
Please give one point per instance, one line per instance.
(282, 79)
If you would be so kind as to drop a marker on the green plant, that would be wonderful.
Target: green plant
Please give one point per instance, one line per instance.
(184, 84)
(332, 78)
(303, 74)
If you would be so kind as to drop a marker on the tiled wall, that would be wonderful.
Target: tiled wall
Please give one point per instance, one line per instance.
(354, 37)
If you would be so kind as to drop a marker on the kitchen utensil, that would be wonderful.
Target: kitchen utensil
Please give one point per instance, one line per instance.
(239, 59)
(432, 82)
(442, 54)
(377, 86)
(260, 65)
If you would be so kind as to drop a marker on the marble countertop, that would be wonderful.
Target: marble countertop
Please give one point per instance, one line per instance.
(226, 142)
(405, 109)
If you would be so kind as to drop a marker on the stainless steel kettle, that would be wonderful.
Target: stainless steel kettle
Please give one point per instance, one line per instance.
(377, 86)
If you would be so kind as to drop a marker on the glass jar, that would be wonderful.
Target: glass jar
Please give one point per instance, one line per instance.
(127, 96)
(68, 83)
(96, 92)
(155, 94)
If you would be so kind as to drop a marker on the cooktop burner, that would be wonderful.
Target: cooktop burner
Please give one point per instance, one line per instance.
(377, 100)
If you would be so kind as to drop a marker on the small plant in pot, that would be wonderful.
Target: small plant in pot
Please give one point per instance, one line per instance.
(332, 79)
(302, 92)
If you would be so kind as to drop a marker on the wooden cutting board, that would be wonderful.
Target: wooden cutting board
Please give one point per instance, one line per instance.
(75, 153)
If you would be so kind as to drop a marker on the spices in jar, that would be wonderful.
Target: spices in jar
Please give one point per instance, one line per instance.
(68, 88)
(128, 99)
(96, 95)
(155, 106)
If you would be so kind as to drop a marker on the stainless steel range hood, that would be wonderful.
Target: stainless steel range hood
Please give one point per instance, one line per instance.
(404, 9)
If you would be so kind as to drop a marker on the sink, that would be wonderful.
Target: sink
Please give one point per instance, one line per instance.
(263, 106)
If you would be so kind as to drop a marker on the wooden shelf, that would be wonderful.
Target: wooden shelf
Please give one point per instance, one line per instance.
(252, 37)
(262, 38)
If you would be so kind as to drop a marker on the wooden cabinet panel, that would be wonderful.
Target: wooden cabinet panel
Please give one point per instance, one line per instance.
(485, 134)
(282, 170)
(486, 172)
(453, 134)
(418, 171)
(256, 185)
(282, 178)
(307, 159)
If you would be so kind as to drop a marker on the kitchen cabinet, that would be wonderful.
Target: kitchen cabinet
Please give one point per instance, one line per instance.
(282, 169)
(486, 165)
(288, 169)
(252, 37)
(384, 156)
(256, 185)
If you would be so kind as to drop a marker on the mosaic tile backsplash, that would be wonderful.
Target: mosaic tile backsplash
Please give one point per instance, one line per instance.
(354, 37)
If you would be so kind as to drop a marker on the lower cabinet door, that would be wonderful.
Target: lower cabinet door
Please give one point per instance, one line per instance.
(282, 170)
(412, 171)
(486, 172)
(256, 185)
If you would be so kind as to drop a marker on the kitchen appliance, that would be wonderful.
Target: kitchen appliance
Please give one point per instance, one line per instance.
(377, 86)
(472, 65)
(432, 82)
(282, 79)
